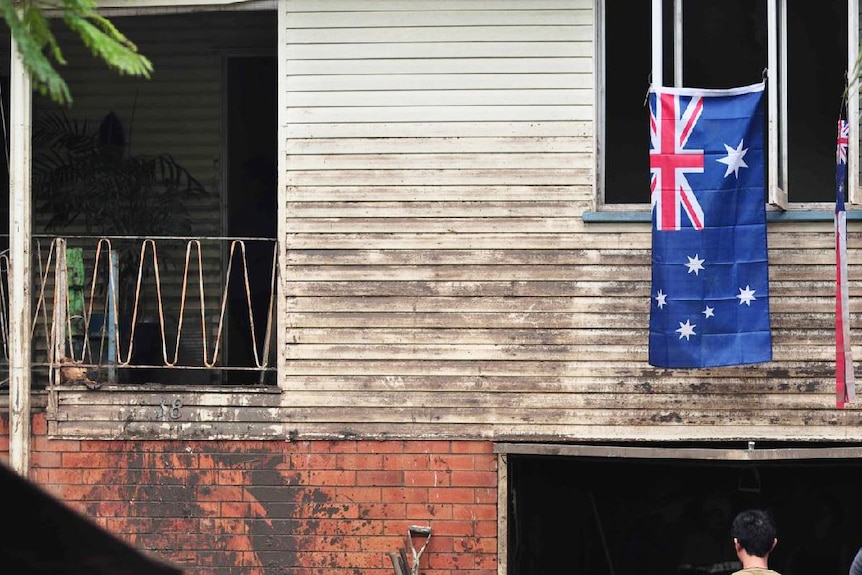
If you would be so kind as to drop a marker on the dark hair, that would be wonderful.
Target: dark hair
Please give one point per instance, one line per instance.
(755, 531)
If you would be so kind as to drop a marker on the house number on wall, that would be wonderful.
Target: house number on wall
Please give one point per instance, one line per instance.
(171, 411)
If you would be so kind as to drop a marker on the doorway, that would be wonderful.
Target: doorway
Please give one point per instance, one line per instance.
(659, 515)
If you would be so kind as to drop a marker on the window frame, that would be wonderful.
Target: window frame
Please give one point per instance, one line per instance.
(777, 136)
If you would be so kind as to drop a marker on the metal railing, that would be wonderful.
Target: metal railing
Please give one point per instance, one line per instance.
(152, 310)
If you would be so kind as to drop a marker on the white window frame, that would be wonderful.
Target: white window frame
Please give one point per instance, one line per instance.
(777, 137)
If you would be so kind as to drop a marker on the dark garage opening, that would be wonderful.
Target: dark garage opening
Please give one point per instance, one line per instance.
(642, 516)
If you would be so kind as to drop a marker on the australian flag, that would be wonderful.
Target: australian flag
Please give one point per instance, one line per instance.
(709, 304)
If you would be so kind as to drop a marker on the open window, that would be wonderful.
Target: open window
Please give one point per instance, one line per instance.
(802, 48)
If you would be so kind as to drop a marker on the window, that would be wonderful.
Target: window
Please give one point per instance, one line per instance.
(804, 48)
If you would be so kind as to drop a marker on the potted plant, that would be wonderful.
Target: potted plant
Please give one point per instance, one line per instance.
(86, 180)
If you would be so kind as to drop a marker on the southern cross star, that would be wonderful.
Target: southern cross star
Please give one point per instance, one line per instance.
(746, 296)
(686, 330)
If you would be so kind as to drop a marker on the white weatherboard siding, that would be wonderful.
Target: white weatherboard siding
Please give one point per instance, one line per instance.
(436, 160)
(432, 148)
(440, 279)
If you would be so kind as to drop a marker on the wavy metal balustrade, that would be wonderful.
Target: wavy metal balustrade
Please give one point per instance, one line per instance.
(152, 310)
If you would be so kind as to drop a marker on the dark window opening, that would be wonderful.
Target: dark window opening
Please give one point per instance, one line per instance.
(817, 60)
(627, 79)
(725, 44)
(251, 202)
(614, 516)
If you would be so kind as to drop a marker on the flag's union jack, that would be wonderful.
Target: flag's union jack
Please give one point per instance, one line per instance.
(843, 139)
(670, 161)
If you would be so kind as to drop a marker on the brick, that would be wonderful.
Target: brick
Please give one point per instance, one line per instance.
(359, 461)
(486, 528)
(230, 477)
(449, 462)
(406, 462)
(38, 424)
(340, 543)
(404, 494)
(485, 463)
(217, 493)
(472, 512)
(427, 478)
(380, 446)
(314, 461)
(463, 495)
(452, 528)
(360, 527)
(334, 510)
(486, 495)
(45, 445)
(68, 476)
(473, 545)
(235, 509)
(474, 478)
(428, 447)
(461, 562)
(473, 447)
(382, 510)
(333, 446)
(332, 477)
(383, 544)
(356, 494)
(381, 478)
(424, 512)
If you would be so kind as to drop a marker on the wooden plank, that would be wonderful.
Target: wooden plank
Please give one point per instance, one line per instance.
(414, 50)
(452, 226)
(613, 350)
(448, 161)
(434, 16)
(608, 379)
(584, 288)
(424, 33)
(608, 325)
(380, 114)
(426, 129)
(442, 5)
(580, 70)
(433, 209)
(392, 193)
(297, 431)
(448, 146)
(520, 336)
(350, 80)
(393, 415)
(455, 272)
(788, 372)
(603, 257)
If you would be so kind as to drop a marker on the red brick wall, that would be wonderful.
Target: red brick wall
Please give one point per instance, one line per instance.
(278, 507)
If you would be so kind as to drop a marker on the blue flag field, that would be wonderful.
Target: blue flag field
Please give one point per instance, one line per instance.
(709, 303)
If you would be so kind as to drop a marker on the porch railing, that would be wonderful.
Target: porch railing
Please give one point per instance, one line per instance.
(152, 310)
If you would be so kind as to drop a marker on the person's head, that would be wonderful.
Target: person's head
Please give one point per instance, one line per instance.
(754, 532)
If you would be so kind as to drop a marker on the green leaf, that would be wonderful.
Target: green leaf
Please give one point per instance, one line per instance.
(38, 46)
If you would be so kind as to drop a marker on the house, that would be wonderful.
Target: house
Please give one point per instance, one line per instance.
(460, 330)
